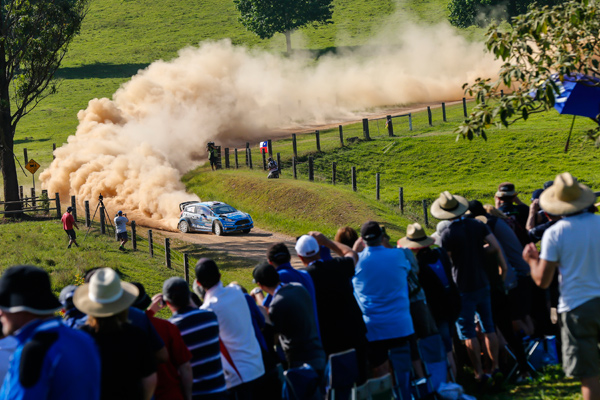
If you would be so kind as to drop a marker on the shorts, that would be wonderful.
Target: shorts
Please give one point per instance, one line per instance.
(71, 234)
(477, 302)
(580, 332)
(519, 298)
(377, 350)
(122, 236)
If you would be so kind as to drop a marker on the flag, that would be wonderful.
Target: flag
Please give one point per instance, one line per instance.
(263, 146)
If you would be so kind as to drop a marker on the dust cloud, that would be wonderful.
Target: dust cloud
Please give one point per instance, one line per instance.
(134, 148)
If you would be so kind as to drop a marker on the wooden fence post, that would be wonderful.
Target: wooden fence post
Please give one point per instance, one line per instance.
(86, 205)
(333, 172)
(377, 185)
(270, 148)
(429, 116)
(425, 216)
(21, 192)
(365, 123)
(227, 157)
(401, 200)
(311, 172)
(410, 121)
(501, 93)
(465, 107)
(264, 157)
(186, 267)
(247, 149)
(25, 156)
(236, 159)
(390, 126)
(354, 179)
(279, 163)
(33, 197)
(53, 150)
(294, 167)
(57, 203)
(150, 243)
(317, 136)
(74, 205)
(294, 145)
(444, 112)
(341, 135)
(133, 236)
(102, 222)
(168, 253)
(249, 157)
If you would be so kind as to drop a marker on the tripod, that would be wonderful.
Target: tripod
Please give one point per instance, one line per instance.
(100, 203)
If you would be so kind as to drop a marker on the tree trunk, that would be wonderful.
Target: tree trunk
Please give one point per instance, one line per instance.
(288, 41)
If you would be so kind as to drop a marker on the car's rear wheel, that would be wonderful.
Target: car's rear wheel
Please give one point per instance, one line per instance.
(246, 231)
(218, 229)
(183, 226)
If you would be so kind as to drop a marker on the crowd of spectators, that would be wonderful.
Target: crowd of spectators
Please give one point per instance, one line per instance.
(478, 283)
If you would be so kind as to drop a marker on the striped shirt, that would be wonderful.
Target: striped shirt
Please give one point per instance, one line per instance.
(200, 332)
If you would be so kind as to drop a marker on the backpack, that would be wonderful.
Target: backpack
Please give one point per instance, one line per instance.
(518, 229)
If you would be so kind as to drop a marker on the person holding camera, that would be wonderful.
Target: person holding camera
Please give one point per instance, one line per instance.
(121, 221)
(212, 155)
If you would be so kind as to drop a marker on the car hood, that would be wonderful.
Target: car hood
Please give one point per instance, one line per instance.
(235, 215)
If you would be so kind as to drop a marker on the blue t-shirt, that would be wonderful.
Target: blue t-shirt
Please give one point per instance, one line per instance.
(381, 290)
(70, 369)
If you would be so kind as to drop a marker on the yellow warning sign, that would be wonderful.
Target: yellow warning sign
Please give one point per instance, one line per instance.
(32, 166)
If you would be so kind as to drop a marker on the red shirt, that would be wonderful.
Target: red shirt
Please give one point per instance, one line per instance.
(169, 382)
(67, 220)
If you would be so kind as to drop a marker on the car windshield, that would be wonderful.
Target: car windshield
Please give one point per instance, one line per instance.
(223, 209)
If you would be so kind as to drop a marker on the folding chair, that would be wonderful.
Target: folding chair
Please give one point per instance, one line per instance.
(401, 368)
(300, 383)
(381, 388)
(434, 360)
(342, 374)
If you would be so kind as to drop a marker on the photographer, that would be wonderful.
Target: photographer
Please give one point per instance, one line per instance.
(273, 169)
(212, 155)
(121, 221)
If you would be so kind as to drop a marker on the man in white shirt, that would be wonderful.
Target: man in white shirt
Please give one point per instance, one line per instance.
(240, 352)
(571, 245)
(121, 221)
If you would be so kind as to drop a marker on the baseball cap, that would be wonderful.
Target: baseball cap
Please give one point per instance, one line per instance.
(265, 274)
(307, 246)
(370, 231)
(120, 213)
(69, 209)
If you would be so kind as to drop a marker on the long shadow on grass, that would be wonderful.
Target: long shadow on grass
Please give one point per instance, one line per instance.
(30, 140)
(100, 70)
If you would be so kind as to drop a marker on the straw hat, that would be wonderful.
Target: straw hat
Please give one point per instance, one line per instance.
(415, 237)
(105, 295)
(448, 206)
(566, 196)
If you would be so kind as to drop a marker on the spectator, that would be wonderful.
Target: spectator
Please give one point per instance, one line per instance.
(340, 318)
(200, 332)
(346, 235)
(381, 290)
(240, 352)
(128, 362)
(571, 246)
(175, 375)
(121, 221)
(273, 169)
(68, 223)
(464, 240)
(48, 353)
(507, 201)
(293, 318)
(72, 317)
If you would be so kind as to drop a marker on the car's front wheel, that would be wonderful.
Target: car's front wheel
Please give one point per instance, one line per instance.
(183, 226)
(246, 231)
(218, 229)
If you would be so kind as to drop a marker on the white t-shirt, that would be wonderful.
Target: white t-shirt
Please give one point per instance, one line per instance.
(121, 224)
(574, 242)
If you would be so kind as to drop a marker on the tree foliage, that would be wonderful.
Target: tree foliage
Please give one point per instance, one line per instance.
(464, 13)
(562, 40)
(267, 17)
(34, 35)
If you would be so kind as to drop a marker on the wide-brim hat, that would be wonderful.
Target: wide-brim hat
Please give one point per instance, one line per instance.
(566, 196)
(27, 288)
(449, 206)
(415, 238)
(105, 295)
(506, 189)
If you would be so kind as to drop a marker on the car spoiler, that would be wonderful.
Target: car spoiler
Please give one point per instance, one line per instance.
(185, 203)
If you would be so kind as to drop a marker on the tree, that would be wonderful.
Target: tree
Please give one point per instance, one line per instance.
(267, 17)
(562, 40)
(34, 35)
(464, 13)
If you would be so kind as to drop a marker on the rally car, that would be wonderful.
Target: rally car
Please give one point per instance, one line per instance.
(212, 216)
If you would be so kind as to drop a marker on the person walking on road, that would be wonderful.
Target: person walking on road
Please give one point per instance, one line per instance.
(121, 227)
(68, 222)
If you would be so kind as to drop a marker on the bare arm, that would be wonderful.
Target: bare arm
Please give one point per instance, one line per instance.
(185, 372)
(359, 245)
(532, 217)
(542, 271)
(149, 385)
(337, 247)
(162, 355)
(495, 246)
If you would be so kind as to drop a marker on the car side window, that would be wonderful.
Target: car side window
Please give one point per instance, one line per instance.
(189, 209)
(203, 210)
